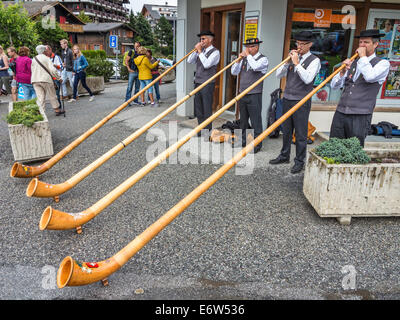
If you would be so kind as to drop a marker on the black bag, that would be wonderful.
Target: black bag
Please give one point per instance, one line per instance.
(275, 111)
(132, 54)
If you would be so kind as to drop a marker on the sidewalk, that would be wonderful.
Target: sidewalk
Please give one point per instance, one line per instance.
(250, 236)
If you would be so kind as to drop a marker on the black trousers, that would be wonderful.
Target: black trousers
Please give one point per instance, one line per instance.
(299, 123)
(250, 108)
(203, 102)
(345, 126)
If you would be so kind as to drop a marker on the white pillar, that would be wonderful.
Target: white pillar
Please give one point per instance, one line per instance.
(187, 28)
(271, 30)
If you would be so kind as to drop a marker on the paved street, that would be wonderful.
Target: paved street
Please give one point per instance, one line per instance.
(250, 236)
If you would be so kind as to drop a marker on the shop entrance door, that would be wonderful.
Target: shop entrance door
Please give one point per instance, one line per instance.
(232, 50)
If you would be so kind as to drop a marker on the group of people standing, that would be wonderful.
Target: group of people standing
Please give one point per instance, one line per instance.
(360, 79)
(143, 69)
(45, 76)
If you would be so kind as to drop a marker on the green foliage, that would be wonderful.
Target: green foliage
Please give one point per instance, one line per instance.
(342, 151)
(123, 71)
(51, 36)
(100, 67)
(17, 29)
(83, 17)
(144, 33)
(24, 112)
(94, 54)
(164, 36)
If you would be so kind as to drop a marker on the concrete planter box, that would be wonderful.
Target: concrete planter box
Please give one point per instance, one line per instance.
(346, 190)
(96, 85)
(31, 143)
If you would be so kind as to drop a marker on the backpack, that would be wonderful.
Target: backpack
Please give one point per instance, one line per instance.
(131, 61)
(275, 111)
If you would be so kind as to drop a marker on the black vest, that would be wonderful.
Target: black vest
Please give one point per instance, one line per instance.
(295, 88)
(202, 75)
(248, 77)
(358, 97)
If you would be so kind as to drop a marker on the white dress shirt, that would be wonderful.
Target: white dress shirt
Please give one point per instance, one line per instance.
(370, 73)
(307, 75)
(212, 60)
(257, 65)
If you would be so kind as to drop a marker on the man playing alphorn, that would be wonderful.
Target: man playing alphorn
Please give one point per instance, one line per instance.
(300, 73)
(251, 68)
(206, 57)
(361, 80)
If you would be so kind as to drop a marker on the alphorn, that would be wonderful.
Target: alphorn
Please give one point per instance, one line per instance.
(73, 273)
(58, 220)
(37, 188)
(22, 171)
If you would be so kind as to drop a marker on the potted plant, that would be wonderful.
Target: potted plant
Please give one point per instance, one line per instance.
(343, 180)
(29, 131)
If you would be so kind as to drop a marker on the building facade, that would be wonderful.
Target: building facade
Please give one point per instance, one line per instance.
(334, 24)
(96, 36)
(153, 13)
(57, 11)
(99, 10)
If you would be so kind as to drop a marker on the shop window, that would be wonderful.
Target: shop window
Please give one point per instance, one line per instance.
(388, 22)
(332, 44)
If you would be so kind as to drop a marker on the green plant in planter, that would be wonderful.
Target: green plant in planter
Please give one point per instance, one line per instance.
(24, 112)
(337, 151)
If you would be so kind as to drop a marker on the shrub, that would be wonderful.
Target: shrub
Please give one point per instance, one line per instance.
(342, 151)
(93, 54)
(24, 112)
(100, 67)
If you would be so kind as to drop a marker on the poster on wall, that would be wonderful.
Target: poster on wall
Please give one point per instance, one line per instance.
(391, 87)
(386, 27)
(251, 28)
(394, 53)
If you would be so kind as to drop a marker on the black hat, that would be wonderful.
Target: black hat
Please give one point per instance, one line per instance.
(251, 41)
(304, 36)
(370, 33)
(206, 33)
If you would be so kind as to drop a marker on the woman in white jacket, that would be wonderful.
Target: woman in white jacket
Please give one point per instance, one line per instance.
(43, 74)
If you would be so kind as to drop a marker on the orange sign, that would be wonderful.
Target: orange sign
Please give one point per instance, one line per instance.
(322, 18)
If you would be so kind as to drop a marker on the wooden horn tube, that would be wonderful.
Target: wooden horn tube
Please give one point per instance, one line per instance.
(71, 273)
(19, 170)
(40, 189)
(60, 220)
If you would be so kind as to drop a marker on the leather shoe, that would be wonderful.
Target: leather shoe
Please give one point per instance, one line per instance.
(297, 168)
(279, 160)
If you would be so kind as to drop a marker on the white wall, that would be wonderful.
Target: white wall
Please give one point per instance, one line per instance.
(187, 26)
(271, 31)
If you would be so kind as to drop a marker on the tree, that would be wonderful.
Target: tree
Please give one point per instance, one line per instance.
(164, 36)
(144, 34)
(50, 36)
(17, 29)
(84, 18)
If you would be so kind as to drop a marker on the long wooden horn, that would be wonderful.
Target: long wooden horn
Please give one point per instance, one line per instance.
(73, 273)
(59, 220)
(22, 171)
(37, 188)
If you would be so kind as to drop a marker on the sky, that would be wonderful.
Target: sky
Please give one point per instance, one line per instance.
(137, 5)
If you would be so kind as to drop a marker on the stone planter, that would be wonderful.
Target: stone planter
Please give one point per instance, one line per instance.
(346, 190)
(96, 85)
(31, 143)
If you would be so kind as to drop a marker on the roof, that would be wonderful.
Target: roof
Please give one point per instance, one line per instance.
(105, 26)
(34, 8)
